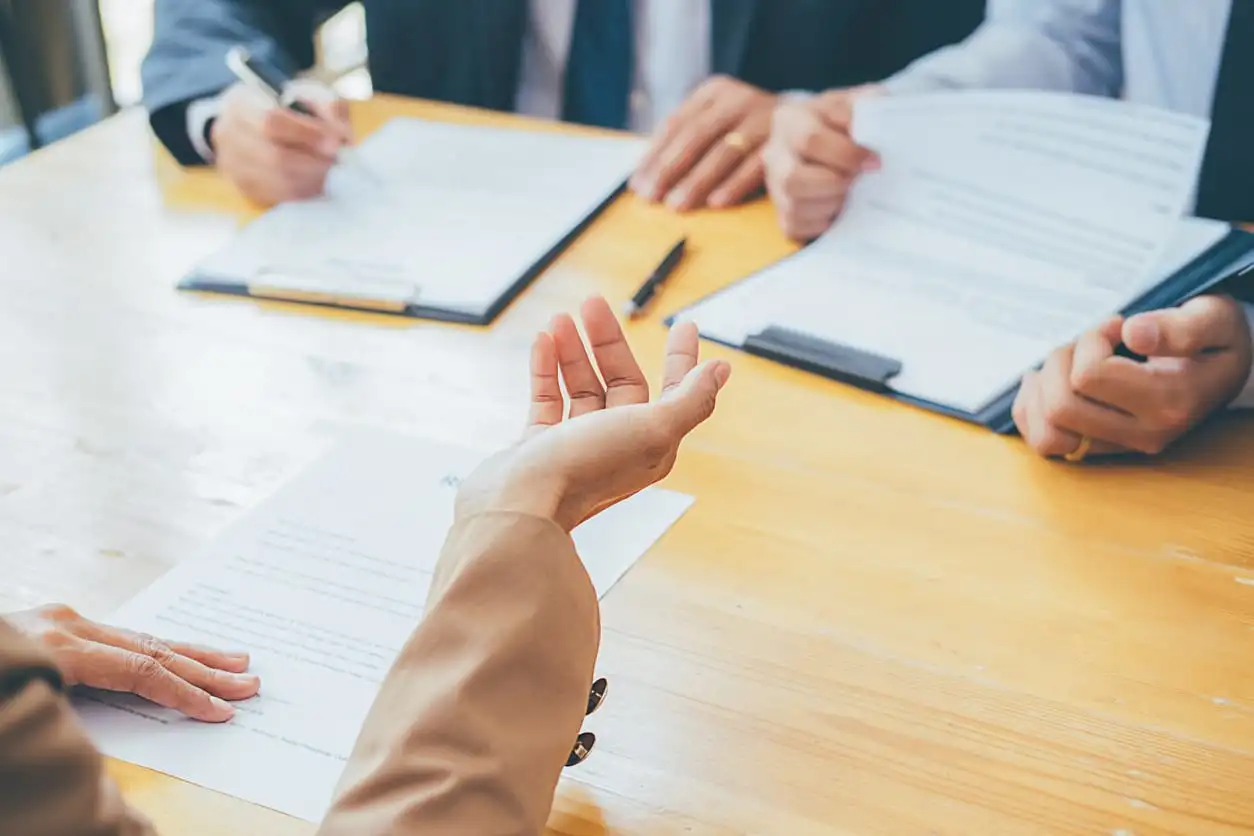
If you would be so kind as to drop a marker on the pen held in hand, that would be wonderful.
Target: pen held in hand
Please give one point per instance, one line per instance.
(635, 307)
(273, 85)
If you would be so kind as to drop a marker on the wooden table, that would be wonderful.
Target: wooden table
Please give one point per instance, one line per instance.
(874, 620)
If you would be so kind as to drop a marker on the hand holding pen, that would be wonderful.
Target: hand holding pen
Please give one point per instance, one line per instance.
(275, 147)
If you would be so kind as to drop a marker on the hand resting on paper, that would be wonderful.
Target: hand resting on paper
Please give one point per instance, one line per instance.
(709, 152)
(197, 681)
(811, 160)
(273, 154)
(615, 441)
(1198, 361)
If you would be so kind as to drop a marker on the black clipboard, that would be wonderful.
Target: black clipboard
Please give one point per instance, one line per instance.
(1228, 260)
(204, 282)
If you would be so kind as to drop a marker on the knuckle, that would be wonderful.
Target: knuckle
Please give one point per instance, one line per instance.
(59, 613)
(54, 638)
(1058, 411)
(1085, 380)
(811, 143)
(216, 681)
(792, 178)
(155, 649)
(1174, 419)
(143, 668)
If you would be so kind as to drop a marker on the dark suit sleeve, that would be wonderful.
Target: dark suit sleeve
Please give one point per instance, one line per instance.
(187, 60)
(910, 29)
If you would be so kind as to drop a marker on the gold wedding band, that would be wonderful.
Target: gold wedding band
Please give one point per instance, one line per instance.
(737, 140)
(1082, 449)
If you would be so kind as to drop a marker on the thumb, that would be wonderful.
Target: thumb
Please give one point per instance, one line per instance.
(835, 108)
(1207, 322)
(690, 403)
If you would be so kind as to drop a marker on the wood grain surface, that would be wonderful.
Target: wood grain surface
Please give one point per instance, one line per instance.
(874, 620)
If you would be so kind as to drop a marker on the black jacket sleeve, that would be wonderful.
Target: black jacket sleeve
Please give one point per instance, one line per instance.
(191, 38)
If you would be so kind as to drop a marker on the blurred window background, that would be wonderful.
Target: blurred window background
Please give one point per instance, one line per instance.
(67, 64)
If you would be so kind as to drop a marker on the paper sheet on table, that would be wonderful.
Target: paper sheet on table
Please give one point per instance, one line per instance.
(323, 584)
(449, 216)
(1001, 225)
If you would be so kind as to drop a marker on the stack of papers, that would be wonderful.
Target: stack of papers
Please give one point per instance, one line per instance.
(322, 585)
(1002, 225)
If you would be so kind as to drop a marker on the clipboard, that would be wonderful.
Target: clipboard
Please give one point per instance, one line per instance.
(433, 220)
(1229, 260)
(405, 299)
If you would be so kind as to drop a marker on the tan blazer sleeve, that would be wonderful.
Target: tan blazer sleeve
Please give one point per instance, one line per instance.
(474, 723)
(52, 780)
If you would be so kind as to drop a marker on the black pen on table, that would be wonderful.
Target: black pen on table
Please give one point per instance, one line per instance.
(272, 83)
(653, 284)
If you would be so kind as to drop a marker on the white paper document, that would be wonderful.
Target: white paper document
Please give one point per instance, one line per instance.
(323, 584)
(1001, 225)
(443, 215)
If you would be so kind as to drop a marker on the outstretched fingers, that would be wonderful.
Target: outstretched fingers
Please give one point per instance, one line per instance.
(625, 383)
(582, 384)
(682, 352)
(547, 404)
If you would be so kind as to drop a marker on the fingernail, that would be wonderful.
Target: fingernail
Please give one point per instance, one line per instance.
(676, 199)
(222, 706)
(872, 163)
(1142, 335)
(722, 371)
(330, 147)
(239, 657)
(247, 679)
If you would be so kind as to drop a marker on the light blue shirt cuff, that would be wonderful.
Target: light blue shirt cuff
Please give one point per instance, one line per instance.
(906, 83)
(1245, 400)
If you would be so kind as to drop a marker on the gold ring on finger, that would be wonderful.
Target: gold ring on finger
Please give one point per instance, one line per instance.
(736, 140)
(1082, 449)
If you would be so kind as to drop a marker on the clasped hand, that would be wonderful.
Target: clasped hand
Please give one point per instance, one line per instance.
(1198, 359)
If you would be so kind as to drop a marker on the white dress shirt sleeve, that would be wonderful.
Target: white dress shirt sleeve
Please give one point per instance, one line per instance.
(1071, 45)
(199, 113)
(1245, 400)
